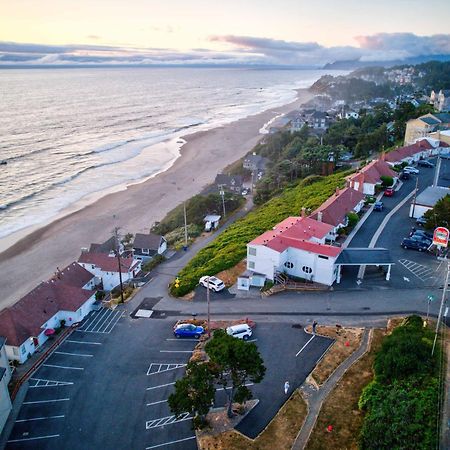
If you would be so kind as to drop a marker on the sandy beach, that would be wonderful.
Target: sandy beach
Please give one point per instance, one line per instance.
(35, 257)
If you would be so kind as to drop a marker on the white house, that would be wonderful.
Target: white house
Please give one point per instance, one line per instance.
(5, 376)
(68, 296)
(146, 246)
(426, 200)
(106, 268)
(422, 148)
(369, 176)
(296, 247)
(334, 211)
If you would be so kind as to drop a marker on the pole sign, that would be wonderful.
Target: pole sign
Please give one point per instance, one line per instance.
(440, 236)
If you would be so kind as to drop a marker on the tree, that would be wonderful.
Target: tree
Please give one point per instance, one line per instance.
(194, 393)
(234, 363)
(439, 216)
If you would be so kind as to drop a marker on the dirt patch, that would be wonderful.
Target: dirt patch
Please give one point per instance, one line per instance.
(347, 340)
(279, 434)
(340, 409)
(230, 276)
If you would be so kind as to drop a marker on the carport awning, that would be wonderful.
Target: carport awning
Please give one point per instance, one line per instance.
(364, 256)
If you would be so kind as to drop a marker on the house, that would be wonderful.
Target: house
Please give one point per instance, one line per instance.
(296, 247)
(442, 136)
(334, 211)
(109, 247)
(146, 246)
(255, 163)
(426, 200)
(68, 297)
(298, 122)
(369, 176)
(211, 222)
(232, 183)
(424, 125)
(319, 120)
(5, 376)
(106, 268)
(410, 153)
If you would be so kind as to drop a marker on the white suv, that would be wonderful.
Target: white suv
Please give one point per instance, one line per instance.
(242, 331)
(215, 284)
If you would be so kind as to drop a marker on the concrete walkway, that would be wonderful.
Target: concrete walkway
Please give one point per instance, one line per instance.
(315, 398)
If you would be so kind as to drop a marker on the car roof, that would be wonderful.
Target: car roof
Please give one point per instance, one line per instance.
(240, 326)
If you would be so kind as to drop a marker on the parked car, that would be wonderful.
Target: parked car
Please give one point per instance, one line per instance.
(244, 192)
(445, 155)
(424, 239)
(411, 169)
(405, 176)
(241, 331)
(425, 163)
(188, 330)
(378, 206)
(421, 221)
(414, 244)
(389, 192)
(215, 284)
(422, 233)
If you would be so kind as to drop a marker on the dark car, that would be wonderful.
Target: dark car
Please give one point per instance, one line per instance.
(405, 176)
(414, 244)
(378, 206)
(188, 330)
(424, 234)
(421, 221)
(425, 163)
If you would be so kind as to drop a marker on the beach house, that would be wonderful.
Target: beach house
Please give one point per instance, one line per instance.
(64, 299)
(146, 246)
(5, 376)
(106, 268)
(296, 247)
(336, 209)
(368, 177)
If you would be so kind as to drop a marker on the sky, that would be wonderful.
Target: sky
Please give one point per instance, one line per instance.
(285, 32)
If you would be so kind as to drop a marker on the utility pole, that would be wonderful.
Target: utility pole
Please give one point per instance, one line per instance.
(414, 198)
(185, 227)
(222, 194)
(116, 235)
(208, 303)
(437, 169)
(441, 308)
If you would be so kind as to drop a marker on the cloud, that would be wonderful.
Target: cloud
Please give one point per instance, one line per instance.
(239, 50)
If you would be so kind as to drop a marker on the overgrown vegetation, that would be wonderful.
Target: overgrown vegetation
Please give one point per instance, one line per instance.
(230, 247)
(439, 216)
(401, 403)
(155, 261)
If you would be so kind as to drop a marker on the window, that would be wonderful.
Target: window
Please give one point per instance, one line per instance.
(23, 350)
(252, 251)
(306, 269)
(288, 265)
(92, 266)
(323, 257)
(145, 251)
(251, 264)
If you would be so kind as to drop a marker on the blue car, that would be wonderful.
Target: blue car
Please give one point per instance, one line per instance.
(378, 206)
(188, 330)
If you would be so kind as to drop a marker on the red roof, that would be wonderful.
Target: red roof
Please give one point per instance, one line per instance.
(335, 209)
(408, 151)
(108, 263)
(295, 227)
(26, 318)
(374, 171)
(74, 275)
(281, 243)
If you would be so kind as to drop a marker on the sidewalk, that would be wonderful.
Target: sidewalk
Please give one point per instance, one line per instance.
(315, 398)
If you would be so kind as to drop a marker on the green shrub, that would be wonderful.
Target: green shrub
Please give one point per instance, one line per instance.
(353, 219)
(155, 261)
(230, 247)
(386, 181)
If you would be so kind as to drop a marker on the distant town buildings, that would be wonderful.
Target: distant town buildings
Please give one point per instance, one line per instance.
(441, 100)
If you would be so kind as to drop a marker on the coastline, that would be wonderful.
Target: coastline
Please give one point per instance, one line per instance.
(135, 207)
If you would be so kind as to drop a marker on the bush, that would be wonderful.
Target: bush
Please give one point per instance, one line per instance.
(155, 261)
(230, 247)
(353, 219)
(386, 181)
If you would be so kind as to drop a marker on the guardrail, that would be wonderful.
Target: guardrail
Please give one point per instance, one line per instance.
(41, 360)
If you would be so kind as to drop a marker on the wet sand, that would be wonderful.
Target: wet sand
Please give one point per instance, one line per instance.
(35, 257)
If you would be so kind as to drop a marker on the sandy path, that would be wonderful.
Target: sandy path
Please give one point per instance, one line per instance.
(35, 257)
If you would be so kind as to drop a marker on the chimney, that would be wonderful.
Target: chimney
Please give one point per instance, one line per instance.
(337, 191)
(383, 156)
(319, 216)
(303, 213)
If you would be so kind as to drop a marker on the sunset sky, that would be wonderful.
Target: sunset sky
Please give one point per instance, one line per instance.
(291, 32)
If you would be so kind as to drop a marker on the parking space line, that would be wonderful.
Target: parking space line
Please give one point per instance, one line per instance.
(101, 327)
(47, 401)
(39, 418)
(171, 442)
(176, 351)
(98, 318)
(82, 342)
(163, 368)
(229, 387)
(117, 317)
(168, 420)
(34, 438)
(48, 383)
(303, 348)
(62, 367)
(156, 403)
(73, 354)
(159, 386)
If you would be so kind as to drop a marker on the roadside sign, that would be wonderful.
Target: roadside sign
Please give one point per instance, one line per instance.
(440, 236)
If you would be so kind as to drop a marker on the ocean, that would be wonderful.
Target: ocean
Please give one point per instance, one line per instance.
(67, 134)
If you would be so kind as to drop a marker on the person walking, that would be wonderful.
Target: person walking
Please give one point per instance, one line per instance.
(286, 387)
(314, 326)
